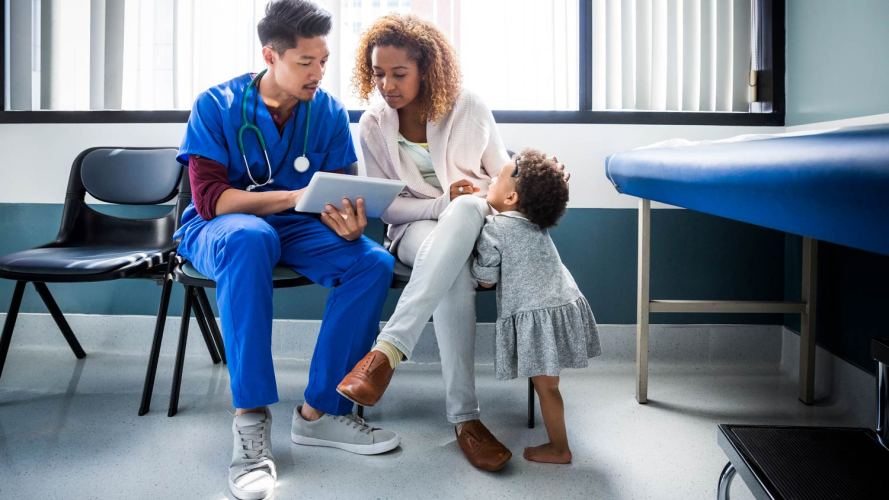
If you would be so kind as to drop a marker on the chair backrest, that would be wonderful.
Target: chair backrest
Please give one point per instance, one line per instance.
(131, 176)
(123, 176)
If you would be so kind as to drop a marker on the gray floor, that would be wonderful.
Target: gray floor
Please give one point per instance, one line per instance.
(69, 429)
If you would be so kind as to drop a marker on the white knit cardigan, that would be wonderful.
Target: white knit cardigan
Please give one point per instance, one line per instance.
(464, 144)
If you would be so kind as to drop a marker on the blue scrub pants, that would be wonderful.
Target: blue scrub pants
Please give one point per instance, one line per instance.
(238, 251)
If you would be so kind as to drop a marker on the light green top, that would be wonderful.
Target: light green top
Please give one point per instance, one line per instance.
(419, 153)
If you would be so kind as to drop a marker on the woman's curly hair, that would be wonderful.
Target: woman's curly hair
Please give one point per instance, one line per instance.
(542, 188)
(427, 46)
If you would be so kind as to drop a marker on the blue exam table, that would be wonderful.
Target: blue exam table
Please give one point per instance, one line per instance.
(830, 186)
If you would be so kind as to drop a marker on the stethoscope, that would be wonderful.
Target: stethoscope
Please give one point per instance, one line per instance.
(301, 164)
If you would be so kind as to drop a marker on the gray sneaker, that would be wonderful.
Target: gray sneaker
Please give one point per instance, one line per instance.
(346, 432)
(252, 473)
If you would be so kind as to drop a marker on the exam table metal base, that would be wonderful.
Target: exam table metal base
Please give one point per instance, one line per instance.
(645, 306)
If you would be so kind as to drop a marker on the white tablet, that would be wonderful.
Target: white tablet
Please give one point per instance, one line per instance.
(326, 187)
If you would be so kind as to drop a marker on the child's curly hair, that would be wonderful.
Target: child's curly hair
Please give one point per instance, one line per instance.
(542, 188)
(427, 46)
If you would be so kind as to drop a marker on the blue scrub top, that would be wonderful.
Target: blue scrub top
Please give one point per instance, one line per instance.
(213, 133)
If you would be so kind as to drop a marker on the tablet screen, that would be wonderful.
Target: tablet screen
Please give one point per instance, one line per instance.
(326, 187)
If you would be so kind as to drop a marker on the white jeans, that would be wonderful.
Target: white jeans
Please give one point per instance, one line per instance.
(442, 286)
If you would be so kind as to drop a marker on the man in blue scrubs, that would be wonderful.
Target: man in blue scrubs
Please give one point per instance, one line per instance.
(252, 144)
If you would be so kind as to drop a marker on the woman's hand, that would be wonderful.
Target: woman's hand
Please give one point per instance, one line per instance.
(347, 222)
(462, 187)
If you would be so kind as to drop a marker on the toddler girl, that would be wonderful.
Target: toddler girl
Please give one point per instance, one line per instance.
(544, 323)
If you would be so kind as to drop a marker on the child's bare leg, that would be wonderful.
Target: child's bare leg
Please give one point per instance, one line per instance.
(556, 450)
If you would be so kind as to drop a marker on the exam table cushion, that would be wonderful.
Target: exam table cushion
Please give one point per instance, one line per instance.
(831, 186)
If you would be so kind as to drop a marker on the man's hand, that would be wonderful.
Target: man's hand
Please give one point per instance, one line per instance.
(462, 187)
(347, 222)
(295, 196)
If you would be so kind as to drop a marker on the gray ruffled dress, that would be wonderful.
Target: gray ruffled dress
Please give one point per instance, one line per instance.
(544, 323)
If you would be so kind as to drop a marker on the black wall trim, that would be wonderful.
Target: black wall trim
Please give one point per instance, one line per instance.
(775, 118)
(94, 116)
(778, 57)
(585, 34)
(541, 117)
(641, 117)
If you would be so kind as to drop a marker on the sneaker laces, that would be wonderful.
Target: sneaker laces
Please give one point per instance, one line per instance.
(357, 422)
(253, 442)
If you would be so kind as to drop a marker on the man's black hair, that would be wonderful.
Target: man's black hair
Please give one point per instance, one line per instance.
(287, 20)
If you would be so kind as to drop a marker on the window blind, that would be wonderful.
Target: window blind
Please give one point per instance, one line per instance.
(671, 55)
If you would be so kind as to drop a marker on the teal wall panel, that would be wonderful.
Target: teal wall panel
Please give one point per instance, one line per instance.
(693, 256)
(837, 68)
(836, 59)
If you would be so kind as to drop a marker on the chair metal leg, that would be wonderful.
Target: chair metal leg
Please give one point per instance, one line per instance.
(180, 353)
(725, 482)
(205, 328)
(57, 315)
(9, 325)
(211, 320)
(151, 372)
(530, 403)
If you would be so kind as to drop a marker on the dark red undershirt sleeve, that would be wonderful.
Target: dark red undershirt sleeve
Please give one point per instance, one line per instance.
(208, 181)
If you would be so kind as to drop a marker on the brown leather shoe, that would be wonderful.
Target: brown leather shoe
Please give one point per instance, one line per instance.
(368, 379)
(481, 447)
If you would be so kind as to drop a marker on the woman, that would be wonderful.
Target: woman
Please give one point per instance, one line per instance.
(442, 141)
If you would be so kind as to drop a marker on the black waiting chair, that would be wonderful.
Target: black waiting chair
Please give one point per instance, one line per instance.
(786, 462)
(196, 299)
(94, 246)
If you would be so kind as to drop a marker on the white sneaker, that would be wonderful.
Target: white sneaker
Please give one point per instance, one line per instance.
(252, 473)
(346, 432)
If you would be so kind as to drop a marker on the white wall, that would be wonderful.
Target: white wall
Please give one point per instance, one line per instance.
(35, 158)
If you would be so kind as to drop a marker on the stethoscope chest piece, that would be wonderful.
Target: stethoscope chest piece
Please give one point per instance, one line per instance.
(301, 164)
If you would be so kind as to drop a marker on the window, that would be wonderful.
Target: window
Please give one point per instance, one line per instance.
(648, 61)
(500, 61)
(127, 54)
(675, 55)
